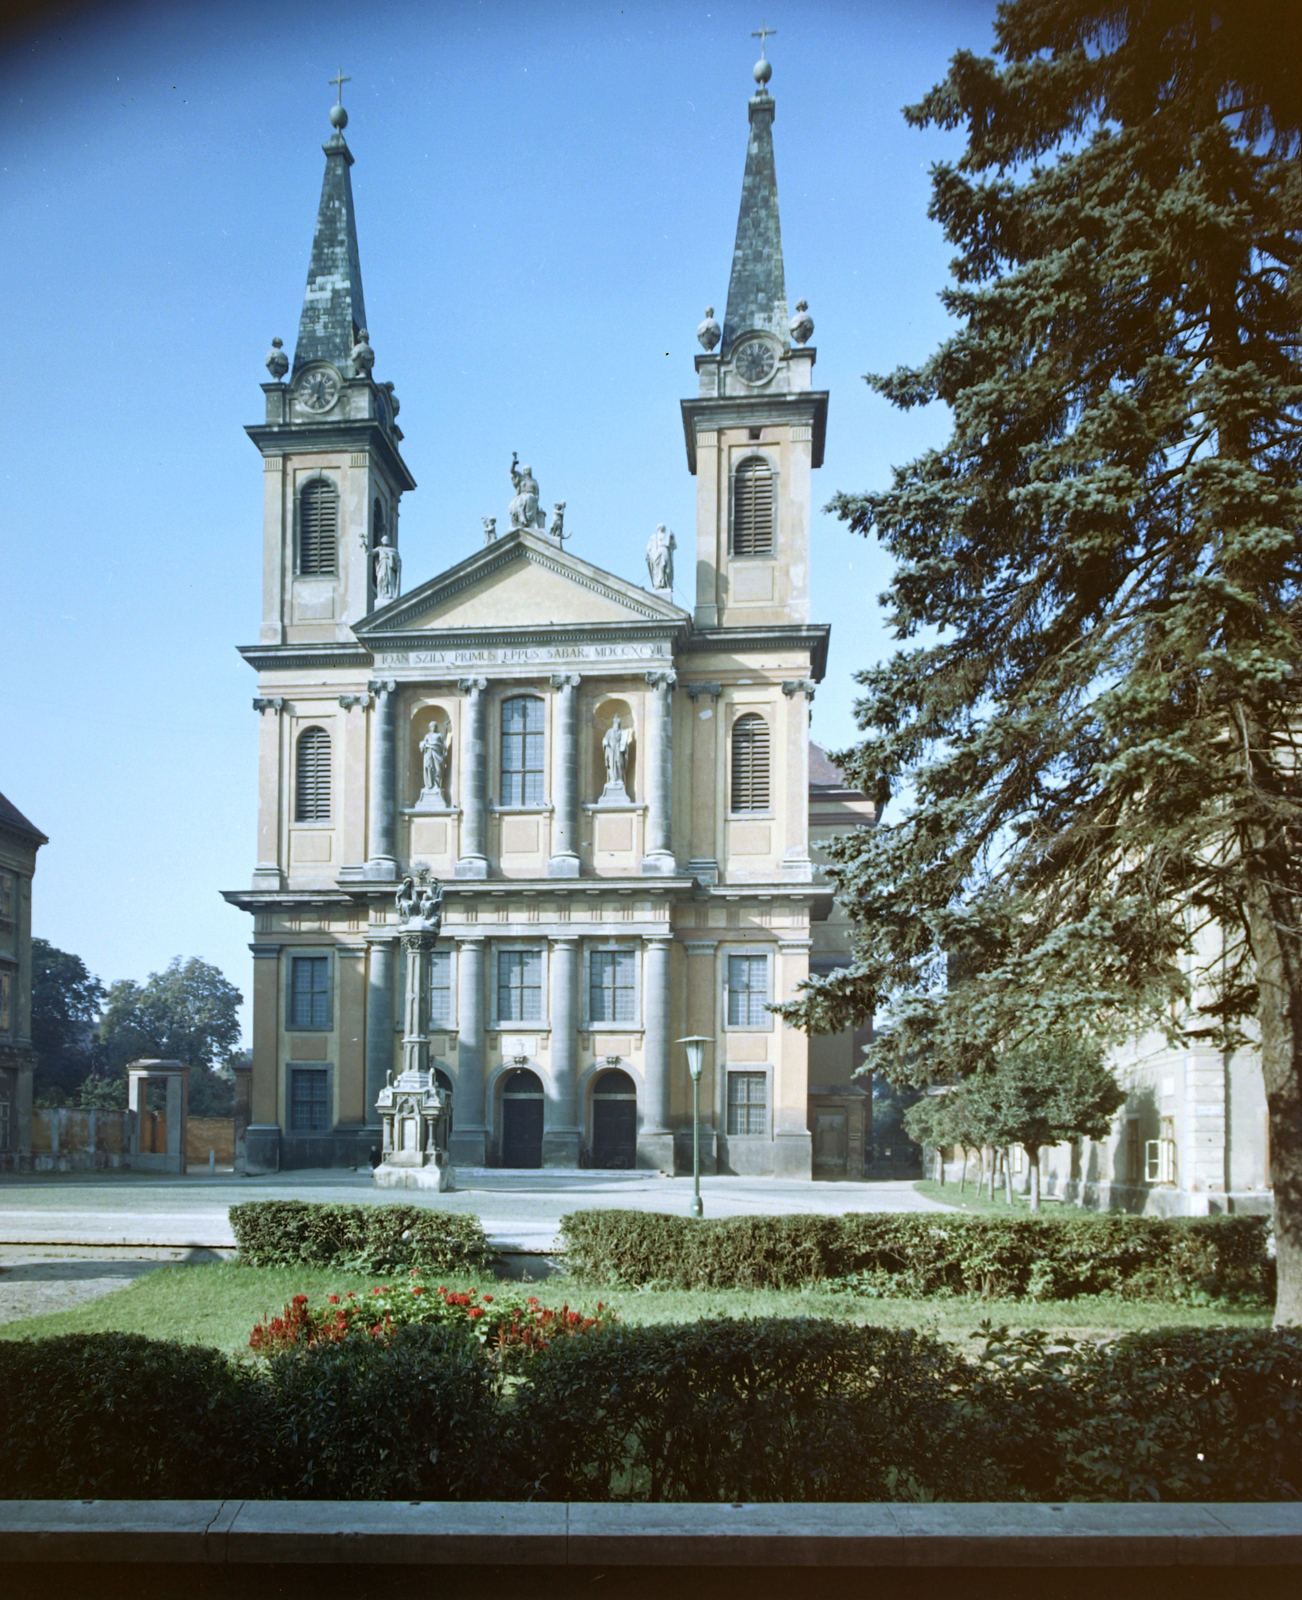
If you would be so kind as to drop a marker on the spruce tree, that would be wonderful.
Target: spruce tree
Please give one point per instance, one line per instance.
(1095, 710)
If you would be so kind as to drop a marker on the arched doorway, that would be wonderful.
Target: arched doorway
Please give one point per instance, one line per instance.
(522, 1119)
(614, 1120)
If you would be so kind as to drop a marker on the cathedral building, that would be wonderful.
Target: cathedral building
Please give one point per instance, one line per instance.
(614, 791)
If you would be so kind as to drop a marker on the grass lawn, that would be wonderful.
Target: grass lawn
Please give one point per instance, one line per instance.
(218, 1305)
(948, 1195)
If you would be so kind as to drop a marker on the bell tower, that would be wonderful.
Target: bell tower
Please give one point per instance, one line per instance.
(333, 474)
(756, 428)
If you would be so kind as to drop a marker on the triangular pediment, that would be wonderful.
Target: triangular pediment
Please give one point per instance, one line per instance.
(520, 581)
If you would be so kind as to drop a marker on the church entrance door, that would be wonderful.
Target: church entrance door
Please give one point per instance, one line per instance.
(614, 1121)
(522, 1119)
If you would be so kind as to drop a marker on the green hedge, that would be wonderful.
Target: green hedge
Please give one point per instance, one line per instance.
(881, 1253)
(382, 1238)
(758, 1410)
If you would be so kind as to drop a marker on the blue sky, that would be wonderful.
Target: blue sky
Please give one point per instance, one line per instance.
(546, 202)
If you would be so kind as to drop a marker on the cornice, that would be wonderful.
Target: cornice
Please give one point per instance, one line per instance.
(297, 657)
(309, 438)
(812, 636)
(750, 410)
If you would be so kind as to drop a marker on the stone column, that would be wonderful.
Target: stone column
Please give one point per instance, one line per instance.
(473, 862)
(266, 872)
(379, 1022)
(564, 861)
(469, 1142)
(381, 833)
(655, 1144)
(561, 1113)
(416, 949)
(796, 865)
(658, 856)
(262, 1136)
(703, 846)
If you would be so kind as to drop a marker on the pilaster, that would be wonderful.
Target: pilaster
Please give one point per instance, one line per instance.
(655, 1144)
(468, 1146)
(658, 857)
(703, 842)
(381, 843)
(561, 1131)
(564, 862)
(473, 862)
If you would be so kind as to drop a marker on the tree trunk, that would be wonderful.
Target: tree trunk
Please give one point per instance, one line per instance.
(1033, 1156)
(990, 1152)
(962, 1177)
(1008, 1173)
(1277, 950)
(940, 1166)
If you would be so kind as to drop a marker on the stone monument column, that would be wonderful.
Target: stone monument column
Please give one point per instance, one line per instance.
(564, 862)
(469, 1142)
(561, 1130)
(381, 833)
(379, 1020)
(416, 949)
(655, 1143)
(658, 856)
(473, 861)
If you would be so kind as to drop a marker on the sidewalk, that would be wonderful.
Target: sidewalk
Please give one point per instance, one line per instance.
(520, 1211)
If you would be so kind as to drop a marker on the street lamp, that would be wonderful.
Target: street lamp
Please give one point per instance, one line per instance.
(695, 1045)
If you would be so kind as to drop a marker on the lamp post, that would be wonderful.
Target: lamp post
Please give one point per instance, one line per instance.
(695, 1045)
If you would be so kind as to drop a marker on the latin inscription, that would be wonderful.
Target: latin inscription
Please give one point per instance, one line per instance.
(520, 656)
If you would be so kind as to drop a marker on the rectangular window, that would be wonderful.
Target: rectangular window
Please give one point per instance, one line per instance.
(519, 986)
(309, 1100)
(748, 1110)
(522, 751)
(309, 992)
(6, 1001)
(748, 991)
(440, 989)
(1132, 1149)
(612, 985)
(6, 896)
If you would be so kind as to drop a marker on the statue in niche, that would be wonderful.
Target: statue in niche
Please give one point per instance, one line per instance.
(615, 748)
(388, 570)
(660, 559)
(435, 748)
(525, 510)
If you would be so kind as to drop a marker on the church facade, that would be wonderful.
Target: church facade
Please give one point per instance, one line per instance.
(613, 790)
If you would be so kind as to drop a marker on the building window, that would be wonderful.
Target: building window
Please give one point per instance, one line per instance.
(612, 985)
(748, 1109)
(750, 763)
(309, 992)
(318, 529)
(312, 786)
(440, 989)
(6, 1001)
(1159, 1155)
(1132, 1151)
(752, 508)
(378, 527)
(519, 986)
(522, 751)
(6, 896)
(748, 992)
(309, 1100)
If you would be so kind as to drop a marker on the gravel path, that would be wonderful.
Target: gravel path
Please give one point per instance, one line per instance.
(33, 1288)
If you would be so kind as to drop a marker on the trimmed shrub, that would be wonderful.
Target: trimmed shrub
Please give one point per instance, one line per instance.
(112, 1416)
(913, 1254)
(380, 1238)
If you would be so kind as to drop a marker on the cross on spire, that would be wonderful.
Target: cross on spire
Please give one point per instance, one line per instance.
(339, 81)
(763, 33)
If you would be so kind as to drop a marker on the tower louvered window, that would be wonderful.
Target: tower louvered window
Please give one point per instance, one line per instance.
(750, 763)
(752, 509)
(318, 529)
(312, 789)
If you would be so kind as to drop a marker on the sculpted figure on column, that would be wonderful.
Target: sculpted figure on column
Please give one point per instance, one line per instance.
(660, 558)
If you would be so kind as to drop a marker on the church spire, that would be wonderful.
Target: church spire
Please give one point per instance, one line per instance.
(757, 293)
(333, 309)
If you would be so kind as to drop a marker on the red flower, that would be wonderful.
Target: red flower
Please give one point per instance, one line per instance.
(377, 1291)
(334, 1299)
(416, 1289)
(475, 1312)
(300, 1299)
(488, 1299)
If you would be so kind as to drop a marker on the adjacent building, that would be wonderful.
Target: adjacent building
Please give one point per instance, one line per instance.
(19, 842)
(613, 788)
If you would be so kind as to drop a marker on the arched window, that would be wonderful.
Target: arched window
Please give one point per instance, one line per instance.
(318, 529)
(750, 763)
(752, 508)
(312, 789)
(378, 525)
(522, 751)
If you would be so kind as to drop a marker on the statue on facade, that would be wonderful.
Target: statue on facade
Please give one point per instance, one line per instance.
(434, 749)
(406, 899)
(557, 529)
(490, 529)
(615, 748)
(525, 510)
(660, 559)
(388, 570)
(431, 906)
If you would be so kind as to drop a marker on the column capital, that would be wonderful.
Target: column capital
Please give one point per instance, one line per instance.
(660, 941)
(662, 680)
(696, 690)
(566, 680)
(469, 938)
(265, 952)
(379, 686)
(275, 702)
(792, 946)
(795, 686)
(701, 947)
(564, 938)
(354, 701)
(472, 685)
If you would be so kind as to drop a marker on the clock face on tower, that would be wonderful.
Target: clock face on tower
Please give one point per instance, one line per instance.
(755, 361)
(319, 390)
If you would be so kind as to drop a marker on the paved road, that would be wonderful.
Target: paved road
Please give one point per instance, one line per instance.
(520, 1210)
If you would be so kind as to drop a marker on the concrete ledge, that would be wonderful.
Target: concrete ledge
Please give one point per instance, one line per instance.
(270, 1533)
